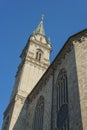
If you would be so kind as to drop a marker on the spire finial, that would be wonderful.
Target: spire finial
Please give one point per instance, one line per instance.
(40, 27)
(42, 17)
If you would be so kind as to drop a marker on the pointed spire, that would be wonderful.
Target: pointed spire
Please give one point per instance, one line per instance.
(40, 27)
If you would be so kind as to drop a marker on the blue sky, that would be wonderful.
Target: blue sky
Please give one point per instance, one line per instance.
(18, 19)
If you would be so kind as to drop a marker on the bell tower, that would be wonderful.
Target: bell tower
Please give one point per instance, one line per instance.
(35, 59)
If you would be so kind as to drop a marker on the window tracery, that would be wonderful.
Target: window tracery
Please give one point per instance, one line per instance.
(39, 112)
(62, 101)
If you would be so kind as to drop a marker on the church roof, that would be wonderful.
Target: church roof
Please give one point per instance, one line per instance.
(40, 27)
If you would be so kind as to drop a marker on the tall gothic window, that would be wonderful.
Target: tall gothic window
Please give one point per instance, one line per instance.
(38, 55)
(39, 112)
(62, 101)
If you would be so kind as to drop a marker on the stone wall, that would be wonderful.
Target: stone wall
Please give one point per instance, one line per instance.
(72, 59)
(46, 92)
(81, 63)
(69, 64)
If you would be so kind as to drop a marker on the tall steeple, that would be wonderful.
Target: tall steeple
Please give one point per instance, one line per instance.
(40, 27)
(35, 59)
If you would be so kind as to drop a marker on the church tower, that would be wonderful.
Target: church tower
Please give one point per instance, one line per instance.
(35, 59)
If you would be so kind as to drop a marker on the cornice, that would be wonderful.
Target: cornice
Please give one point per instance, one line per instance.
(79, 36)
(11, 103)
(35, 62)
(20, 98)
(81, 39)
(41, 45)
(47, 40)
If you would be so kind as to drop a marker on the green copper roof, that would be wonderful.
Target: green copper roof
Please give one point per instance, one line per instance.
(40, 27)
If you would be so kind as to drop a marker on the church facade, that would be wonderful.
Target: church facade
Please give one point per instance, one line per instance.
(50, 97)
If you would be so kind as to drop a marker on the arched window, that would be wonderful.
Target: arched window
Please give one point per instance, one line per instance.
(62, 101)
(39, 112)
(38, 55)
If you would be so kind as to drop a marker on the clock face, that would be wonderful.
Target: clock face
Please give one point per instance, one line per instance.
(62, 116)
